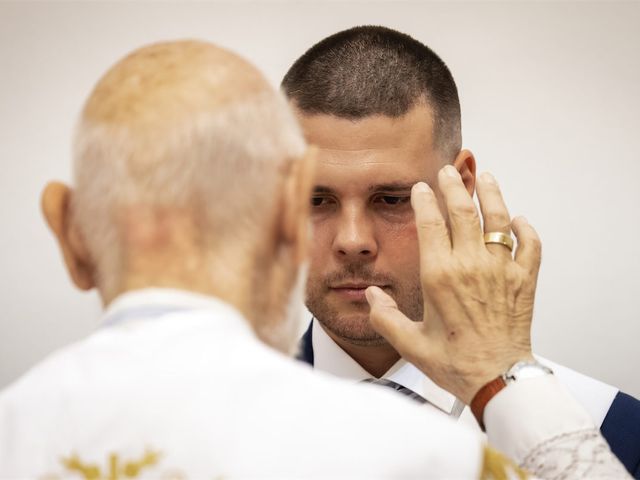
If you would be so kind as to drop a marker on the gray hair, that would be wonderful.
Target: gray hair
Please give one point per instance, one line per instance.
(225, 163)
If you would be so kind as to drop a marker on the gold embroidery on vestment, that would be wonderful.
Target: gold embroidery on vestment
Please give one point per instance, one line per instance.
(495, 466)
(116, 469)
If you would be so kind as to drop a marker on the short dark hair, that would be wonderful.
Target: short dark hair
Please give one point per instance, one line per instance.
(371, 70)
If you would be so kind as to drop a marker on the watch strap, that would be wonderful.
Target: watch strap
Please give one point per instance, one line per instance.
(491, 389)
(484, 395)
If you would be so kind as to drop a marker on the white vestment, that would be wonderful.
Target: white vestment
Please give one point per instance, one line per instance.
(176, 385)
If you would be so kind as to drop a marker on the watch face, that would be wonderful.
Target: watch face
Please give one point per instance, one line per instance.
(529, 371)
(525, 370)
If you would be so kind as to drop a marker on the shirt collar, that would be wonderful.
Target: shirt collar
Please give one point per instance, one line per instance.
(153, 302)
(330, 358)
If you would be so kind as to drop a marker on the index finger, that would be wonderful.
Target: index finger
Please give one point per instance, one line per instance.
(433, 235)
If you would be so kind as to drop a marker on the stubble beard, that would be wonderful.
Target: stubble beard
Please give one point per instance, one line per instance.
(352, 322)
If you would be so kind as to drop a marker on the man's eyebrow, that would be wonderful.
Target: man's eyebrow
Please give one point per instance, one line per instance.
(322, 189)
(392, 187)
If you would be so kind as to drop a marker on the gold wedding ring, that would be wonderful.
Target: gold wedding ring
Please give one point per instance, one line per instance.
(499, 238)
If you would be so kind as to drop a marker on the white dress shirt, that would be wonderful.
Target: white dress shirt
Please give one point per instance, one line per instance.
(595, 396)
(330, 358)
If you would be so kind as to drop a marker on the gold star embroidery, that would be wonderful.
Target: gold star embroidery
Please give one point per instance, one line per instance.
(116, 470)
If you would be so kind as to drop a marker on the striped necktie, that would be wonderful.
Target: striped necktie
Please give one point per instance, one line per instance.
(455, 412)
(397, 387)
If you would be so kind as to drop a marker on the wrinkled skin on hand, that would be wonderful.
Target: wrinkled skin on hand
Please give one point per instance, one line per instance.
(478, 298)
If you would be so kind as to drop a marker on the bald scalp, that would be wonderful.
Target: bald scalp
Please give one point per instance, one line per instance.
(180, 129)
(155, 85)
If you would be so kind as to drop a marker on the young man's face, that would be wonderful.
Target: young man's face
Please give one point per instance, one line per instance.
(363, 225)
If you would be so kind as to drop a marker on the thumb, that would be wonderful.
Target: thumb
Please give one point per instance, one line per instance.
(388, 321)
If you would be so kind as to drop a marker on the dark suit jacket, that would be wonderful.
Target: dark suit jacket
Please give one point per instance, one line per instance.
(621, 425)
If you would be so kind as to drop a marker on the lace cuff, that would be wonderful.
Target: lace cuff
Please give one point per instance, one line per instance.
(579, 454)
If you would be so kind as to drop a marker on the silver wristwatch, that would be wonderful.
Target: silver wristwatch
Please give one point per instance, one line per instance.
(524, 370)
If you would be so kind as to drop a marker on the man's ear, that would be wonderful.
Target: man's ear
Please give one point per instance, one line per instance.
(465, 163)
(55, 203)
(297, 192)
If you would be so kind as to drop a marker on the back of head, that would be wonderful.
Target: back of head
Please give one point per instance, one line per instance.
(373, 70)
(179, 126)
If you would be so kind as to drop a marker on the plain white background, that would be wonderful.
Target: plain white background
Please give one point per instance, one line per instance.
(550, 105)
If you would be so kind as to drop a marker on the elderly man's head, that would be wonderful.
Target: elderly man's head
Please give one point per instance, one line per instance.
(190, 172)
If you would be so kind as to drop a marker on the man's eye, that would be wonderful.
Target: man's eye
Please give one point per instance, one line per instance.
(393, 199)
(319, 201)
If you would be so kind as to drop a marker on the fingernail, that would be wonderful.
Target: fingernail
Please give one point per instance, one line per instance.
(450, 171)
(522, 219)
(487, 177)
(422, 187)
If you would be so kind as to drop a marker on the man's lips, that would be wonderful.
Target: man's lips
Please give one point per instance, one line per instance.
(353, 291)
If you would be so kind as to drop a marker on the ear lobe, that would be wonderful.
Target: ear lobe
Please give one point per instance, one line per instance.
(465, 163)
(297, 192)
(55, 204)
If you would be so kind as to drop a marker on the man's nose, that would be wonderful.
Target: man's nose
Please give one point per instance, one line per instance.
(355, 237)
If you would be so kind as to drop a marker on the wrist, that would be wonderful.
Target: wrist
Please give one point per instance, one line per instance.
(490, 372)
(520, 371)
